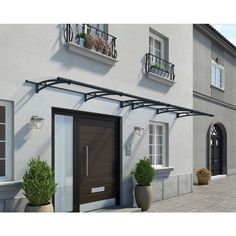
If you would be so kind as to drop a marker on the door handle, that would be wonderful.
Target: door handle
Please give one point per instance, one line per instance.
(87, 160)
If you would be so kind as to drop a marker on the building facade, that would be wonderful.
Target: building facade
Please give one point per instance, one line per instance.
(214, 84)
(102, 110)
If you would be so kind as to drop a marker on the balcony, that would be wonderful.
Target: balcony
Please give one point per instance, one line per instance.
(159, 70)
(90, 42)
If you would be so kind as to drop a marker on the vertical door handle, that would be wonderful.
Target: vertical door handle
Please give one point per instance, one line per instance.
(87, 160)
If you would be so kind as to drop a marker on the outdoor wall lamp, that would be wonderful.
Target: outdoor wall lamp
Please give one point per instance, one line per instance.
(138, 130)
(37, 122)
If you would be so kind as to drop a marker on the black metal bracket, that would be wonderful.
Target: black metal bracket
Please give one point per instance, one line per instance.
(95, 94)
(135, 102)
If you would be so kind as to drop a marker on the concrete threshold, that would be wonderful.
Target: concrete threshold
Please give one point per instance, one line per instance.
(218, 177)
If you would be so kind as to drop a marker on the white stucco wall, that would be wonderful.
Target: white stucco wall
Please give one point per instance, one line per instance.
(37, 52)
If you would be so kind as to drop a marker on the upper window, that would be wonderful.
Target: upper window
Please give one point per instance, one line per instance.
(158, 144)
(156, 45)
(217, 75)
(5, 140)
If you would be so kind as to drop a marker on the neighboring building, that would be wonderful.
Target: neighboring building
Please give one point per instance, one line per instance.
(214, 83)
(114, 110)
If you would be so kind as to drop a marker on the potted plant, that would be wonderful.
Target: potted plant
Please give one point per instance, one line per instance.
(99, 44)
(107, 50)
(89, 41)
(39, 186)
(203, 176)
(143, 174)
(81, 38)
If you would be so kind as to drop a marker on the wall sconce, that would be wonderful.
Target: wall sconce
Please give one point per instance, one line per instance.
(37, 122)
(138, 131)
(217, 60)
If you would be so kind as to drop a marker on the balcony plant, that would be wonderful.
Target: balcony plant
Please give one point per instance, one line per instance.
(39, 186)
(81, 38)
(89, 41)
(99, 44)
(107, 50)
(158, 69)
(203, 176)
(143, 174)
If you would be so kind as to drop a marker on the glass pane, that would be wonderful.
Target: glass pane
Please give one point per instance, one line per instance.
(217, 74)
(157, 54)
(152, 149)
(151, 139)
(159, 150)
(64, 163)
(157, 45)
(151, 129)
(2, 167)
(151, 159)
(2, 132)
(159, 130)
(159, 140)
(2, 114)
(2, 150)
(151, 42)
(159, 160)
(213, 74)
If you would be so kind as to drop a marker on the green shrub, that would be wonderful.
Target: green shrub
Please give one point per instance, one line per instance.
(81, 35)
(38, 183)
(143, 172)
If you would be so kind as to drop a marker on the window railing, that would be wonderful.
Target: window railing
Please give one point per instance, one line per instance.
(160, 67)
(100, 41)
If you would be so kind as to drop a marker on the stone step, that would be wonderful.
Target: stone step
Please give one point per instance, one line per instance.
(119, 209)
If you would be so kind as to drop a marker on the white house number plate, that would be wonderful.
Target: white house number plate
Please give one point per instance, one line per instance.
(98, 189)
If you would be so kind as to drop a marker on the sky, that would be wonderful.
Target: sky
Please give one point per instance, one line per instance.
(229, 31)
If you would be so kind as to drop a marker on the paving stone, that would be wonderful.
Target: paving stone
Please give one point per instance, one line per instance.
(218, 196)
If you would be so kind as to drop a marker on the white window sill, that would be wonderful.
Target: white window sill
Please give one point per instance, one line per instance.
(162, 169)
(160, 79)
(221, 89)
(7, 183)
(91, 54)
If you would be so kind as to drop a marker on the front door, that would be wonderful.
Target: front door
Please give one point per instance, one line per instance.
(98, 166)
(216, 151)
(86, 150)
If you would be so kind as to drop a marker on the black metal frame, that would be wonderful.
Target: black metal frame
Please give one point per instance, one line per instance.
(72, 29)
(165, 69)
(135, 102)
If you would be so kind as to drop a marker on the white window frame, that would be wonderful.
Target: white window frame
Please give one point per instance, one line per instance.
(9, 140)
(162, 45)
(222, 78)
(154, 156)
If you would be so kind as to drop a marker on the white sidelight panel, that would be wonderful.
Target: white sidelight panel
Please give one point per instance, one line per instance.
(64, 163)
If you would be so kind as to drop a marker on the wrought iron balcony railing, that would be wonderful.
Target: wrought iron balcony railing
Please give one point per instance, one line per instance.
(100, 37)
(160, 67)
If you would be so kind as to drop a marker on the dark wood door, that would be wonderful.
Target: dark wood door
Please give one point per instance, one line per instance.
(97, 158)
(216, 153)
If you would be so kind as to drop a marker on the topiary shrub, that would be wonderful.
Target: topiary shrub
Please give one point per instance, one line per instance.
(143, 172)
(38, 183)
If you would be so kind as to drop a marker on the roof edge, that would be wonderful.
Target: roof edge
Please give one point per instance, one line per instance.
(219, 36)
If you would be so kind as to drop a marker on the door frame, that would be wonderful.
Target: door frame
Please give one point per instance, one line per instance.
(118, 151)
(224, 146)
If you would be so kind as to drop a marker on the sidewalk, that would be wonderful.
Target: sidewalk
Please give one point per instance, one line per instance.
(218, 196)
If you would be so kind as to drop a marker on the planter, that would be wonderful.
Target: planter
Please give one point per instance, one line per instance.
(143, 196)
(203, 180)
(44, 208)
(81, 42)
